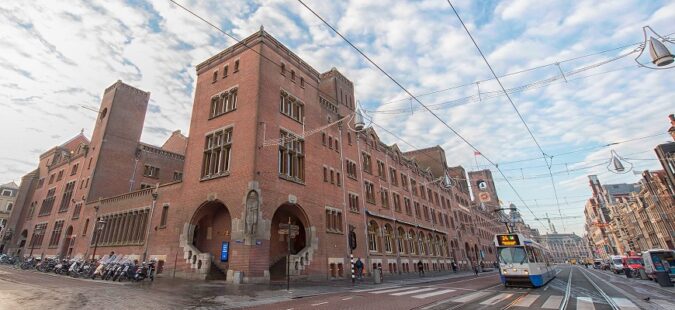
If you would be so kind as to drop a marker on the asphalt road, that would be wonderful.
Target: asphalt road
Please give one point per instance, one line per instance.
(587, 289)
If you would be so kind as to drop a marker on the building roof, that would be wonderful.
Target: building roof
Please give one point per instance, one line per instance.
(10, 185)
(177, 143)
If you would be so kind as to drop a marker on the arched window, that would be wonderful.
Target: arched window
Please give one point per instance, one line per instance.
(400, 236)
(373, 231)
(387, 238)
(411, 242)
(420, 243)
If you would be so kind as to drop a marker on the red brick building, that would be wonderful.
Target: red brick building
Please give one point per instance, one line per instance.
(272, 142)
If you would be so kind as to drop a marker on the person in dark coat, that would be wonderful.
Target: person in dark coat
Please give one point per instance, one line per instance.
(420, 268)
(359, 268)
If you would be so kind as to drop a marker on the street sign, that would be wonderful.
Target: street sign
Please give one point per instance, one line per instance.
(224, 251)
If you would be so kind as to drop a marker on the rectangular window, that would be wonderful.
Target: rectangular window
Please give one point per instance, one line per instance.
(225, 69)
(430, 195)
(76, 211)
(38, 235)
(151, 172)
(351, 169)
(48, 203)
(338, 179)
(433, 216)
(73, 171)
(292, 107)
(215, 76)
(370, 192)
(367, 163)
(236, 66)
(56, 234)
(59, 176)
(41, 182)
(67, 195)
(418, 213)
(291, 157)
(144, 186)
(393, 176)
(217, 153)
(384, 197)
(333, 220)
(381, 170)
(354, 202)
(423, 193)
(408, 208)
(332, 176)
(86, 226)
(223, 103)
(404, 182)
(325, 174)
(51, 179)
(177, 176)
(165, 215)
(397, 202)
(426, 213)
(413, 185)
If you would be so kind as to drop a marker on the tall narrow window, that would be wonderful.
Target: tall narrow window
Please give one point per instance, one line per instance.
(76, 211)
(48, 202)
(236, 66)
(165, 215)
(223, 103)
(373, 231)
(283, 68)
(367, 163)
(215, 76)
(291, 107)
(151, 171)
(67, 195)
(384, 197)
(302, 82)
(353, 202)
(217, 153)
(56, 234)
(291, 157)
(292, 75)
(225, 69)
(370, 192)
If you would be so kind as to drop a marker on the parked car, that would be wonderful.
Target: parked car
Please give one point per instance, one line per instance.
(659, 260)
(597, 264)
(616, 263)
(632, 264)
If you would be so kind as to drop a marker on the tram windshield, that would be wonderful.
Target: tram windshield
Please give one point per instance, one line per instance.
(512, 255)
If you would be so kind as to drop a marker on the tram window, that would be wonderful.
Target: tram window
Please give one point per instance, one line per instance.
(530, 254)
(514, 255)
(538, 255)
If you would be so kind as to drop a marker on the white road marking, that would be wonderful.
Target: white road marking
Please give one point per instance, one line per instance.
(496, 299)
(624, 303)
(321, 303)
(664, 304)
(348, 298)
(585, 303)
(422, 296)
(394, 290)
(470, 297)
(526, 301)
(552, 302)
(375, 289)
(413, 291)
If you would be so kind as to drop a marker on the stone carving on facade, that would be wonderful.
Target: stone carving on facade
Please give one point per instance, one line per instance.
(252, 207)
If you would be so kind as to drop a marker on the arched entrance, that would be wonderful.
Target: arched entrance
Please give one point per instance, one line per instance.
(212, 226)
(279, 243)
(66, 246)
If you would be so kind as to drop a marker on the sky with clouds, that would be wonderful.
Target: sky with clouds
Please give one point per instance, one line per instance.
(56, 57)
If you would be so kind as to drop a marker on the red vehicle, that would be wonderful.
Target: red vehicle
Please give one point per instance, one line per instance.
(632, 263)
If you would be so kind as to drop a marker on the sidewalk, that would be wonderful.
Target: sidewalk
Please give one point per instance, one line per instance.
(220, 295)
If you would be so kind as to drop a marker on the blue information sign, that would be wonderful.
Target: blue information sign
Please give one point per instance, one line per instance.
(224, 251)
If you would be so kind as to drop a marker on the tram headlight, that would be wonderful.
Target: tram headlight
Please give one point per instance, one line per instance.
(506, 271)
(526, 272)
(514, 269)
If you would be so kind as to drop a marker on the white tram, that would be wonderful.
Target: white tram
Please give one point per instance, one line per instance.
(523, 262)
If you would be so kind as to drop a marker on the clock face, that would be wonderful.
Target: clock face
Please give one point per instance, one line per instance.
(482, 184)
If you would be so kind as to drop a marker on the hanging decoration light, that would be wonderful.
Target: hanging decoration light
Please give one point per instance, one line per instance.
(616, 164)
(359, 122)
(661, 57)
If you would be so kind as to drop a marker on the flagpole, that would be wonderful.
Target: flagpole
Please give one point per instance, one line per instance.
(475, 157)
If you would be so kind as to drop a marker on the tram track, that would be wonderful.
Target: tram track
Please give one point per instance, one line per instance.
(565, 303)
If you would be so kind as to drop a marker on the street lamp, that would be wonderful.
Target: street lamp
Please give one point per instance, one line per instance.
(97, 230)
(659, 53)
(38, 230)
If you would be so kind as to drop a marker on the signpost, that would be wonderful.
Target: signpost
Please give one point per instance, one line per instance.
(292, 231)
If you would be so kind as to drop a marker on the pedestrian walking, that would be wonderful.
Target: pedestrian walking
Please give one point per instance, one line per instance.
(359, 268)
(454, 267)
(420, 268)
(475, 269)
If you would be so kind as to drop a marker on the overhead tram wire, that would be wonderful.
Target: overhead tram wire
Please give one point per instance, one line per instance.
(543, 154)
(416, 100)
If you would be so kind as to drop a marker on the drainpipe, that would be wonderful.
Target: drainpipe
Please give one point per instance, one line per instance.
(155, 194)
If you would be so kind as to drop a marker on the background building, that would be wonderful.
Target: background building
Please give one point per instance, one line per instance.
(8, 193)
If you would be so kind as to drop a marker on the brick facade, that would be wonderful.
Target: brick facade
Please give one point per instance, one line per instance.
(266, 149)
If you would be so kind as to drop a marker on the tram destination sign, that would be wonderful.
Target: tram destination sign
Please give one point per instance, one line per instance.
(508, 240)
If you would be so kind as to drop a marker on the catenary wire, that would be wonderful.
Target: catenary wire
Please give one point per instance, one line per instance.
(520, 116)
(414, 98)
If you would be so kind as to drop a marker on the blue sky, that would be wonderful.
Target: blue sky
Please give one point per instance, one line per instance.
(54, 58)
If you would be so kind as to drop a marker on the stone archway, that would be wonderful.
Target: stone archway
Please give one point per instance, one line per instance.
(66, 246)
(279, 243)
(211, 226)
